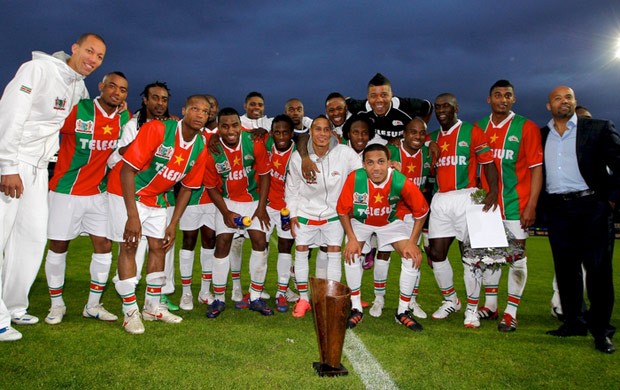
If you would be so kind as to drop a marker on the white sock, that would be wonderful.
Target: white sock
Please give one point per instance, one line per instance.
(445, 279)
(220, 275)
(472, 279)
(99, 271)
(258, 271)
(127, 290)
(168, 287)
(284, 272)
(143, 246)
(321, 264)
(206, 263)
(490, 279)
(406, 283)
(380, 275)
(334, 266)
(517, 276)
(186, 265)
(154, 283)
(353, 273)
(301, 273)
(235, 255)
(55, 265)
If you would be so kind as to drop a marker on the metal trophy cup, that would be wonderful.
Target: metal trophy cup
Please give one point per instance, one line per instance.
(331, 305)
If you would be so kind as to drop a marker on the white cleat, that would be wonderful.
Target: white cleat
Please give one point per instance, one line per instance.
(160, 313)
(206, 299)
(264, 295)
(98, 312)
(56, 314)
(416, 309)
(237, 295)
(187, 302)
(25, 319)
(471, 319)
(447, 308)
(10, 334)
(377, 308)
(291, 296)
(133, 323)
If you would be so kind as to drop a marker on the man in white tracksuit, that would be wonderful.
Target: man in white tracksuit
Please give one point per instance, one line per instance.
(33, 108)
(312, 203)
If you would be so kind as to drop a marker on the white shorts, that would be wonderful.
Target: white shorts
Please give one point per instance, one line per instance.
(243, 209)
(72, 215)
(409, 221)
(330, 233)
(514, 227)
(199, 215)
(276, 222)
(152, 219)
(448, 214)
(392, 232)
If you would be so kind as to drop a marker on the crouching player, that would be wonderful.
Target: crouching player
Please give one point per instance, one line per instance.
(163, 154)
(367, 205)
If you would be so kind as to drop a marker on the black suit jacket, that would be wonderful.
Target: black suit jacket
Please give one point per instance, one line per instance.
(598, 148)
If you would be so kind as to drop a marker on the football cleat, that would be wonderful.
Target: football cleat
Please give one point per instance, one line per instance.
(447, 308)
(56, 314)
(216, 308)
(261, 306)
(160, 313)
(281, 303)
(133, 323)
(484, 313)
(206, 298)
(291, 296)
(301, 308)
(355, 318)
(507, 324)
(377, 308)
(237, 295)
(416, 309)
(471, 319)
(165, 300)
(406, 319)
(98, 312)
(9, 333)
(244, 303)
(25, 319)
(187, 302)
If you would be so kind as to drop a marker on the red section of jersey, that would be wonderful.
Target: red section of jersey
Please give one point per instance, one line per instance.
(104, 139)
(379, 208)
(140, 155)
(279, 162)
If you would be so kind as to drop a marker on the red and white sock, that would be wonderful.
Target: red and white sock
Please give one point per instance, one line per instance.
(301, 273)
(235, 255)
(99, 271)
(490, 280)
(353, 273)
(258, 271)
(380, 274)
(55, 265)
(445, 279)
(321, 264)
(284, 272)
(186, 265)
(154, 283)
(220, 275)
(406, 282)
(472, 287)
(127, 290)
(517, 276)
(334, 266)
(206, 264)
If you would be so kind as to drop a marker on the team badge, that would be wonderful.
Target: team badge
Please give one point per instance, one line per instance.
(84, 127)
(360, 198)
(463, 144)
(59, 104)
(513, 138)
(397, 123)
(248, 157)
(222, 167)
(164, 151)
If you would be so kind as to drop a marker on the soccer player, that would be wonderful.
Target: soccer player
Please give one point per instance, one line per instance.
(367, 206)
(336, 111)
(462, 147)
(33, 107)
(312, 204)
(237, 180)
(77, 197)
(254, 117)
(280, 147)
(294, 109)
(516, 145)
(163, 154)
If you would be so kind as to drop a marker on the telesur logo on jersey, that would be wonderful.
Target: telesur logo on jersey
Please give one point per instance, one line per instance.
(84, 127)
(164, 152)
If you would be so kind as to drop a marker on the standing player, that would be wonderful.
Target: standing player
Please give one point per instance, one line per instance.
(367, 206)
(163, 154)
(77, 197)
(312, 204)
(294, 109)
(516, 145)
(462, 147)
(336, 111)
(33, 107)
(231, 179)
(254, 117)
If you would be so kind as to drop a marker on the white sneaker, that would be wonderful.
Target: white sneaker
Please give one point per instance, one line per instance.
(10, 334)
(26, 319)
(187, 302)
(471, 319)
(99, 313)
(291, 296)
(160, 313)
(377, 308)
(264, 295)
(416, 309)
(55, 315)
(133, 323)
(237, 295)
(206, 299)
(447, 308)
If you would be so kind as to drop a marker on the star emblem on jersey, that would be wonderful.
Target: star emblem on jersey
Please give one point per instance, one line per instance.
(445, 146)
(178, 159)
(378, 198)
(410, 168)
(107, 129)
(236, 161)
(494, 138)
(276, 163)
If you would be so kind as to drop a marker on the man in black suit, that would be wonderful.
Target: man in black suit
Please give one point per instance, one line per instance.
(580, 196)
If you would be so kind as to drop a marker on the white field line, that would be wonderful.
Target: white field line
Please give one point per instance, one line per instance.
(365, 365)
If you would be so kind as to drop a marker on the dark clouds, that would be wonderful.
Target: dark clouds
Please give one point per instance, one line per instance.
(308, 49)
